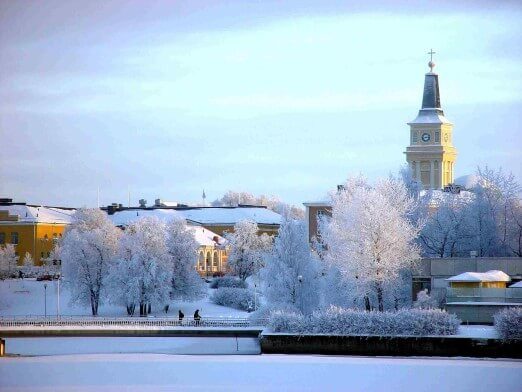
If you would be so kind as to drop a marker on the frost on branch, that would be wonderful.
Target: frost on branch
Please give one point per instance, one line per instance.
(291, 272)
(339, 321)
(233, 297)
(247, 249)
(87, 251)
(182, 248)
(227, 281)
(370, 240)
(508, 323)
(424, 301)
(142, 274)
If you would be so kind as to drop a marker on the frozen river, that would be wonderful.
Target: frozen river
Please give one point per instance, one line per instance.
(162, 372)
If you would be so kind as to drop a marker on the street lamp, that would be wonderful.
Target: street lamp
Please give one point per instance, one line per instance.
(45, 299)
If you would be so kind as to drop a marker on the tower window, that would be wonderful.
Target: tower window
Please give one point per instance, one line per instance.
(437, 136)
(414, 136)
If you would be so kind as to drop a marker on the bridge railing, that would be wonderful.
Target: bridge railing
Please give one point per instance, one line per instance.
(68, 321)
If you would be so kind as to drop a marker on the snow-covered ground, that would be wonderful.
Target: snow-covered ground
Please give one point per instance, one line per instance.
(27, 297)
(160, 372)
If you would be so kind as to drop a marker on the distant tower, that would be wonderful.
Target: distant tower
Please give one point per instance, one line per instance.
(431, 154)
(204, 196)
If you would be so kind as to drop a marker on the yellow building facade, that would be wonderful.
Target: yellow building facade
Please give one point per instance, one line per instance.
(32, 229)
(431, 154)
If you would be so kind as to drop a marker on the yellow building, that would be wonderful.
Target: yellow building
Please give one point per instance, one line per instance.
(471, 280)
(32, 229)
(431, 154)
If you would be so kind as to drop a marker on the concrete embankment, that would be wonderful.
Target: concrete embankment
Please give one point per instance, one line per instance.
(449, 346)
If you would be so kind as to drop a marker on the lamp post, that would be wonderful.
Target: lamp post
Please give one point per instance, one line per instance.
(45, 299)
(58, 298)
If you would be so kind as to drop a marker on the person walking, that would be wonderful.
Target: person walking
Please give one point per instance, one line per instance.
(197, 317)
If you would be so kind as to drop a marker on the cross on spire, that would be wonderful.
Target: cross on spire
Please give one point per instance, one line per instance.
(431, 64)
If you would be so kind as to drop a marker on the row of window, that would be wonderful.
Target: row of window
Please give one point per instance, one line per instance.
(14, 238)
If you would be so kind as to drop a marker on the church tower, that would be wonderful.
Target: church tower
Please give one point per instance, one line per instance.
(431, 154)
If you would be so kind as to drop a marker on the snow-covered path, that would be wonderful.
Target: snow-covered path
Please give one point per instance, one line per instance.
(157, 372)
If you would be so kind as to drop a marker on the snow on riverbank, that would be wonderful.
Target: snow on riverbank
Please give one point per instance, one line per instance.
(27, 297)
(156, 372)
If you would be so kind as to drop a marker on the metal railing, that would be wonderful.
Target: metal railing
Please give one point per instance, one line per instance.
(115, 322)
(483, 294)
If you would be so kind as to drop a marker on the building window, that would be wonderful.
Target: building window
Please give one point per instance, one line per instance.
(14, 238)
(2, 238)
(215, 260)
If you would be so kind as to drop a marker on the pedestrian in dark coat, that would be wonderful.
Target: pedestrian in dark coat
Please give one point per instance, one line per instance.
(180, 315)
(197, 317)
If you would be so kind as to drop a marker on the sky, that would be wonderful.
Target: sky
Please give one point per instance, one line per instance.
(165, 99)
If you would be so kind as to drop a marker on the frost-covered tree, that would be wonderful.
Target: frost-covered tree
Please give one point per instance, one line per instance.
(142, 274)
(232, 199)
(424, 301)
(247, 249)
(182, 248)
(291, 272)
(370, 238)
(447, 231)
(27, 264)
(88, 248)
(8, 261)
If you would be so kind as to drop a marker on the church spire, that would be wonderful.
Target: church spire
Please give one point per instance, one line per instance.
(431, 95)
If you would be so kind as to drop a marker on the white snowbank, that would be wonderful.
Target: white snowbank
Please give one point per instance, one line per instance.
(160, 372)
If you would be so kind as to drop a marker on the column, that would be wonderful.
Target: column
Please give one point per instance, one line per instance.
(441, 174)
(417, 172)
(432, 175)
(2, 347)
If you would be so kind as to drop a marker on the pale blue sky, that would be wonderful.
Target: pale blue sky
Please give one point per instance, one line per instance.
(285, 99)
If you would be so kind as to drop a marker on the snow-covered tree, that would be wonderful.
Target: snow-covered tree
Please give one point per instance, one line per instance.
(233, 199)
(27, 264)
(8, 261)
(424, 300)
(182, 248)
(247, 249)
(291, 272)
(142, 274)
(88, 248)
(370, 238)
(447, 230)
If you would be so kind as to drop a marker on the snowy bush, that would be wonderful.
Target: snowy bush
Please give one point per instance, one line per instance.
(228, 281)
(508, 323)
(425, 301)
(339, 321)
(263, 314)
(234, 297)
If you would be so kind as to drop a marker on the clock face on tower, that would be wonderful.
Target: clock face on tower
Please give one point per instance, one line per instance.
(425, 137)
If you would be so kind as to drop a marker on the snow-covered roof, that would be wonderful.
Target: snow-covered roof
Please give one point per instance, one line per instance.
(489, 276)
(204, 216)
(430, 116)
(39, 214)
(232, 215)
(126, 217)
(206, 237)
(467, 181)
(517, 285)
